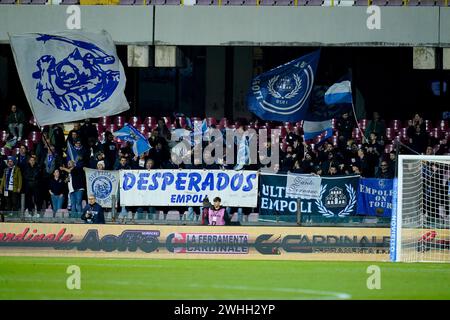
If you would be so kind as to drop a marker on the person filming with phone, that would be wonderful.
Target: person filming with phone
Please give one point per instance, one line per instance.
(93, 212)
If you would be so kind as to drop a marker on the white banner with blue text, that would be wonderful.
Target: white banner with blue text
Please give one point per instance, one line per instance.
(188, 187)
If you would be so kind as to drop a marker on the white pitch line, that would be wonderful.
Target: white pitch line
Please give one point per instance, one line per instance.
(324, 294)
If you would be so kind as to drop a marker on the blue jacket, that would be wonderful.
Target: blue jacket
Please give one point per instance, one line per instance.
(96, 211)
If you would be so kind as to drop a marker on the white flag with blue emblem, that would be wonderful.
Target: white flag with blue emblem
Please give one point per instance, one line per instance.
(70, 76)
(102, 184)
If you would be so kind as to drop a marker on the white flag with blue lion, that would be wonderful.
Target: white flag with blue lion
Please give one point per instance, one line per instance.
(70, 76)
(102, 184)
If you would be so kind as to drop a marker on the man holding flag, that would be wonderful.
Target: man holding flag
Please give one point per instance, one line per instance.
(337, 100)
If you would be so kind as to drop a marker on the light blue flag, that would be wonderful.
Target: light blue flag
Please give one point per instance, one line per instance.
(131, 134)
(313, 129)
(70, 76)
(70, 152)
(339, 93)
(283, 93)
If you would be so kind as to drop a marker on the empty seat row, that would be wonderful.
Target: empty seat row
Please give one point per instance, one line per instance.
(252, 2)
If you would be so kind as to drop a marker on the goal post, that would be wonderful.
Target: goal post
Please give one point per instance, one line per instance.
(420, 225)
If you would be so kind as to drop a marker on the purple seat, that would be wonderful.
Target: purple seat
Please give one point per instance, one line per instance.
(413, 3)
(207, 2)
(284, 2)
(7, 1)
(69, 2)
(432, 3)
(379, 2)
(127, 2)
(233, 2)
(25, 1)
(314, 3)
(302, 2)
(395, 2)
(173, 2)
(267, 2)
(41, 2)
(156, 2)
(361, 3)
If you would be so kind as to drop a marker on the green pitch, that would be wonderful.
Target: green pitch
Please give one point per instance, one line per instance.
(45, 278)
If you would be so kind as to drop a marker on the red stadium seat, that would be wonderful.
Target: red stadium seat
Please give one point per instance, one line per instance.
(390, 134)
(35, 136)
(5, 151)
(4, 135)
(104, 121)
(396, 125)
(134, 121)
(111, 127)
(442, 124)
(403, 133)
(33, 122)
(119, 121)
(224, 122)
(436, 133)
(356, 133)
(211, 121)
(269, 125)
(99, 127)
(151, 122)
(27, 143)
(363, 124)
(283, 131)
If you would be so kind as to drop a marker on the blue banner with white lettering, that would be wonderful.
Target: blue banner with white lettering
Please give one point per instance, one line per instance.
(282, 94)
(375, 197)
(338, 197)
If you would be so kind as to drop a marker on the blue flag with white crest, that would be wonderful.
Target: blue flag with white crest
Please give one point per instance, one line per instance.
(131, 134)
(283, 93)
(70, 76)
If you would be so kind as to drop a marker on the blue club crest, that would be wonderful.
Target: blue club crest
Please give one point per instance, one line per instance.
(80, 81)
(282, 94)
(101, 187)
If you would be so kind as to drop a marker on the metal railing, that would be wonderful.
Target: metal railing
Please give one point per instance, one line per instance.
(313, 220)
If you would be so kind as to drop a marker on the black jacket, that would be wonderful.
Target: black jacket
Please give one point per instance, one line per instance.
(96, 212)
(31, 177)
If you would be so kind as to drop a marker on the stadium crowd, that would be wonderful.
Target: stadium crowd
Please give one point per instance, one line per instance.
(43, 169)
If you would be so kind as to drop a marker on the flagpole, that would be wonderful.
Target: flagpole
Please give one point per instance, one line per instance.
(357, 123)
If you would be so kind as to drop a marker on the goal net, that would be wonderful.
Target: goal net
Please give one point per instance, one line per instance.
(420, 221)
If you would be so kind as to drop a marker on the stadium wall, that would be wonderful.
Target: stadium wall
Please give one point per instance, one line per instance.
(240, 25)
(194, 242)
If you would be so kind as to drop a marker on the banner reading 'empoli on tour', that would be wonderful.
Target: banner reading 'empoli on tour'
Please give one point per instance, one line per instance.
(188, 187)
